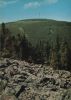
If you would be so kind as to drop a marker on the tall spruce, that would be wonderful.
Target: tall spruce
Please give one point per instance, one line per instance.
(3, 28)
(18, 46)
(48, 52)
(13, 46)
(2, 37)
(65, 55)
(54, 58)
(57, 48)
(57, 44)
(39, 52)
(55, 54)
(24, 48)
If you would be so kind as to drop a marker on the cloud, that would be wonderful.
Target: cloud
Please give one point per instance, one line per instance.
(51, 1)
(48, 2)
(38, 3)
(32, 4)
(7, 2)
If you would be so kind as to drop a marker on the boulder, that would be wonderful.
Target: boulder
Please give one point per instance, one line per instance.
(7, 97)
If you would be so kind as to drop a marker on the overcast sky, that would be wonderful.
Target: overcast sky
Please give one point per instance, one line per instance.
(12, 10)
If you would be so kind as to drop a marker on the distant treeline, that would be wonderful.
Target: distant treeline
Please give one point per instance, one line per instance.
(57, 56)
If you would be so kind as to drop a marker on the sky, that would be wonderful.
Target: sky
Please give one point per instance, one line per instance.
(13, 10)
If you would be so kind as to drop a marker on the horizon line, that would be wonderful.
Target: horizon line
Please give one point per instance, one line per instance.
(35, 19)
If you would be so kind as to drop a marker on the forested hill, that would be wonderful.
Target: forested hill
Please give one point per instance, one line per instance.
(41, 29)
(18, 41)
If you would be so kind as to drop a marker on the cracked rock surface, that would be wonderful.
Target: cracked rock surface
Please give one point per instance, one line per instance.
(20, 80)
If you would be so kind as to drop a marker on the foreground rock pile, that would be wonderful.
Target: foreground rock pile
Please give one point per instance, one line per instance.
(20, 80)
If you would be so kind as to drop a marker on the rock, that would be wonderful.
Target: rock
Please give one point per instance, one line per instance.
(47, 80)
(10, 90)
(67, 95)
(20, 80)
(54, 88)
(3, 84)
(21, 90)
(5, 63)
(65, 74)
(7, 97)
(65, 83)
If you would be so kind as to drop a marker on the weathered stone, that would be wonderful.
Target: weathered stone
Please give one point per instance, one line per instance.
(28, 81)
(7, 97)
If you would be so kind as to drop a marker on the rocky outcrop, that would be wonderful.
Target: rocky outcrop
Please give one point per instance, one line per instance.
(20, 80)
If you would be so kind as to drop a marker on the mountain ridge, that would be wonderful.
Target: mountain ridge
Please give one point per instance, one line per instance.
(39, 19)
(41, 29)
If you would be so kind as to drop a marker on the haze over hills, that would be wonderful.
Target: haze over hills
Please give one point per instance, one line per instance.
(41, 29)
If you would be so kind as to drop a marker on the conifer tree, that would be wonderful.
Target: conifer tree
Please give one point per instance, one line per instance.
(13, 46)
(3, 28)
(5, 35)
(39, 52)
(47, 52)
(57, 43)
(24, 48)
(65, 55)
(2, 37)
(54, 59)
(18, 46)
(57, 47)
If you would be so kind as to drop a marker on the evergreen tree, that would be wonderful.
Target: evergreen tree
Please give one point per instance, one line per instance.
(3, 28)
(24, 47)
(39, 53)
(57, 43)
(5, 35)
(54, 59)
(65, 55)
(13, 46)
(57, 47)
(2, 37)
(18, 46)
(47, 52)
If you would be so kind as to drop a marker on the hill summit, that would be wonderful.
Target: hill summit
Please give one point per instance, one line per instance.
(41, 29)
